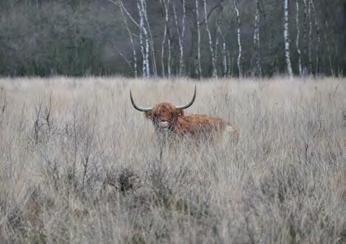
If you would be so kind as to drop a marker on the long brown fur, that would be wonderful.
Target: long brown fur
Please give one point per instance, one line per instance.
(195, 125)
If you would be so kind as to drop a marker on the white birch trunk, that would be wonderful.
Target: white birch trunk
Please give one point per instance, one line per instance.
(298, 39)
(305, 41)
(256, 40)
(199, 68)
(287, 40)
(318, 36)
(236, 8)
(127, 12)
(147, 47)
(143, 40)
(150, 40)
(169, 58)
(224, 59)
(163, 43)
(310, 38)
(224, 51)
(134, 53)
(216, 48)
(230, 64)
(327, 41)
(211, 48)
(181, 35)
(181, 69)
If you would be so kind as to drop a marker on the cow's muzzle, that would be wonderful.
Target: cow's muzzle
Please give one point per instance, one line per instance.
(163, 124)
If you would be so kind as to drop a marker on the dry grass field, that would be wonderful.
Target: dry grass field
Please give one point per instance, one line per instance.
(79, 165)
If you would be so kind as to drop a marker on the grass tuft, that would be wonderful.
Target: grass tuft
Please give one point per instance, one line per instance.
(79, 164)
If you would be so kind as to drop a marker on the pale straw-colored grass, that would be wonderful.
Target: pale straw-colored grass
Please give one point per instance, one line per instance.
(78, 164)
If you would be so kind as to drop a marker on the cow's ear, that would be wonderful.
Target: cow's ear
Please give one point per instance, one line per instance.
(179, 112)
(148, 114)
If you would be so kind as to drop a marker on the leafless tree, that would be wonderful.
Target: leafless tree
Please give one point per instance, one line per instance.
(310, 37)
(287, 40)
(130, 34)
(318, 37)
(236, 8)
(298, 39)
(256, 40)
(143, 38)
(224, 48)
(181, 34)
(199, 68)
(173, 37)
(151, 39)
(211, 45)
(165, 7)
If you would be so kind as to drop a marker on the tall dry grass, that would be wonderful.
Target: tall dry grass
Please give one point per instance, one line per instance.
(78, 164)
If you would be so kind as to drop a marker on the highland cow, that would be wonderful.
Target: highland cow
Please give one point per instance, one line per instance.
(170, 119)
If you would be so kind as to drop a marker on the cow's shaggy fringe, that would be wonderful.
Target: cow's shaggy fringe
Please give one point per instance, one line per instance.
(78, 164)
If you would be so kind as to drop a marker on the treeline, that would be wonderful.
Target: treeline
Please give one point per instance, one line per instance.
(196, 38)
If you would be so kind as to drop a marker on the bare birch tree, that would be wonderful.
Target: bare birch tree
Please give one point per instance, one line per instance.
(151, 39)
(143, 39)
(256, 40)
(287, 40)
(181, 35)
(329, 51)
(310, 38)
(298, 39)
(318, 38)
(130, 34)
(224, 57)
(164, 38)
(305, 40)
(139, 37)
(224, 48)
(199, 68)
(216, 47)
(211, 48)
(236, 8)
(124, 12)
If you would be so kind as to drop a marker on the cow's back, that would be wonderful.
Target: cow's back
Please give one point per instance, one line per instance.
(200, 124)
(204, 126)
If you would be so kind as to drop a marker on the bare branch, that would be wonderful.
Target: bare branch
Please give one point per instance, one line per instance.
(121, 5)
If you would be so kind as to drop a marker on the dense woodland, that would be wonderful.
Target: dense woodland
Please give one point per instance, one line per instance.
(195, 38)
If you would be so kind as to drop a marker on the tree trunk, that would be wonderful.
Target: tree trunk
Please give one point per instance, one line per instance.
(329, 51)
(169, 58)
(305, 41)
(143, 40)
(236, 8)
(287, 40)
(310, 38)
(182, 67)
(198, 68)
(134, 53)
(224, 50)
(318, 39)
(163, 43)
(298, 39)
(181, 35)
(256, 40)
(151, 48)
(211, 48)
(216, 48)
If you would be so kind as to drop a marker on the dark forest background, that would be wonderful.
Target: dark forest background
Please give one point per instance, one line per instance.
(90, 37)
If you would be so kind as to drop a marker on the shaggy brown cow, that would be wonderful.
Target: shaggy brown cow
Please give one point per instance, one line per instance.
(169, 118)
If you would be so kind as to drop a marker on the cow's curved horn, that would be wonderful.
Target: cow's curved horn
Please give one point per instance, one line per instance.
(190, 103)
(138, 108)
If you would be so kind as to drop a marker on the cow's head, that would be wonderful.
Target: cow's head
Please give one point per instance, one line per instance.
(163, 115)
